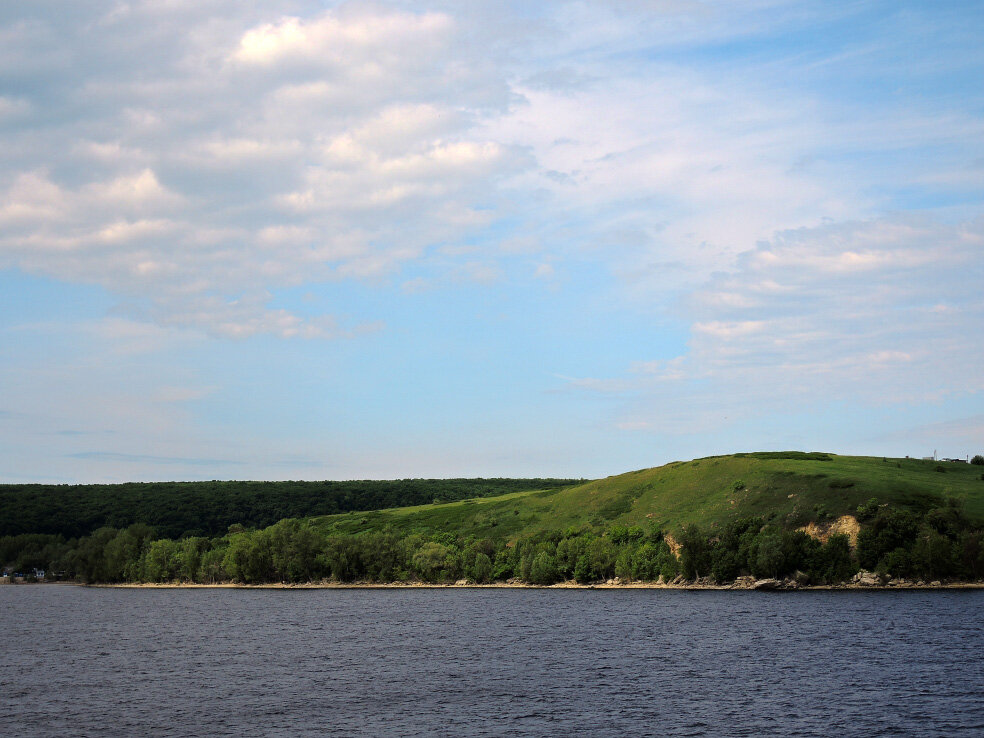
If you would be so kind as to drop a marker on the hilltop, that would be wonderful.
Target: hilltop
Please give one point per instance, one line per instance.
(790, 489)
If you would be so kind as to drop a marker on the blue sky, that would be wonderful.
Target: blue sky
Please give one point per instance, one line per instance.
(315, 240)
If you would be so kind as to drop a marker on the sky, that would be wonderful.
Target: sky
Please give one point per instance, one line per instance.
(316, 240)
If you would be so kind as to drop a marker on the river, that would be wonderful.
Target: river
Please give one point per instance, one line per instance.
(489, 662)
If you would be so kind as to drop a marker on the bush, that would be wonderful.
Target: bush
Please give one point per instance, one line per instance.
(868, 509)
(978, 460)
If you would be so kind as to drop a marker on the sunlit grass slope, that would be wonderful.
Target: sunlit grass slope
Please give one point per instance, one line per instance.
(790, 488)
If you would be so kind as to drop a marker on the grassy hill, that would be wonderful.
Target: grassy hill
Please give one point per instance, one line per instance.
(914, 519)
(789, 488)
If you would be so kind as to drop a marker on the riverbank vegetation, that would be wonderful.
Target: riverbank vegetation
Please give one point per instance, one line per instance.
(697, 521)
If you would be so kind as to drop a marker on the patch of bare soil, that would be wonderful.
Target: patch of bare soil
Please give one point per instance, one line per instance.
(845, 524)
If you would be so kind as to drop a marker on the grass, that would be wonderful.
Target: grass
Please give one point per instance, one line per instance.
(790, 488)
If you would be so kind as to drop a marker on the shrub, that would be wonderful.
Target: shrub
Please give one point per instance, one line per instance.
(978, 460)
(868, 509)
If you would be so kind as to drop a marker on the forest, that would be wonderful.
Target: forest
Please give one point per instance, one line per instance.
(940, 544)
(183, 509)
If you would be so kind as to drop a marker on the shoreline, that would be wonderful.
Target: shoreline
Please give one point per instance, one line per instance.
(852, 587)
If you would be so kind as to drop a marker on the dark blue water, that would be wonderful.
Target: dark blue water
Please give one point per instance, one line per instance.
(94, 662)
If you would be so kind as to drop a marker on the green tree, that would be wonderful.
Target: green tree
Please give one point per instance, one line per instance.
(190, 558)
(582, 570)
(211, 569)
(695, 553)
(766, 558)
(162, 560)
(544, 569)
(481, 568)
(601, 558)
(249, 558)
(123, 553)
(833, 563)
(429, 560)
(645, 562)
(89, 559)
(934, 556)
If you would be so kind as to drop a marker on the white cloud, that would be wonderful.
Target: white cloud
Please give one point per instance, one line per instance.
(251, 154)
(217, 149)
(332, 38)
(825, 328)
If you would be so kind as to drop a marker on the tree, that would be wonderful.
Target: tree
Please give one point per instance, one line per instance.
(481, 568)
(767, 558)
(544, 569)
(582, 570)
(695, 554)
(978, 460)
(162, 560)
(601, 557)
(190, 559)
(429, 560)
(833, 562)
(934, 556)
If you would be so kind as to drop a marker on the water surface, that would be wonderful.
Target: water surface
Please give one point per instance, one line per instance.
(497, 662)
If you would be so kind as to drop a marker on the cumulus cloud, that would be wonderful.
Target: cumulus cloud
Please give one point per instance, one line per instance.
(332, 39)
(256, 151)
(214, 150)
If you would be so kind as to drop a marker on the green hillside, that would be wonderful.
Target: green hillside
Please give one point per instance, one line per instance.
(715, 519)
(788, 488)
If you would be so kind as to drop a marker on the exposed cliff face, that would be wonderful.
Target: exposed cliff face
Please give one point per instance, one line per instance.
(846, 524)
(675, 546)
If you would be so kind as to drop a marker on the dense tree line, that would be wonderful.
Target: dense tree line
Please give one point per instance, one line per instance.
(939, 544)
(181, 509)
